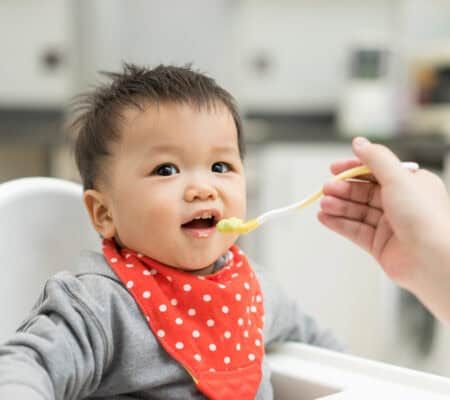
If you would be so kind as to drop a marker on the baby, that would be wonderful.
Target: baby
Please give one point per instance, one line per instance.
(172, 309)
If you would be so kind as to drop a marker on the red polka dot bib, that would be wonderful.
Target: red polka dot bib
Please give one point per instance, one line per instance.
(212, 325)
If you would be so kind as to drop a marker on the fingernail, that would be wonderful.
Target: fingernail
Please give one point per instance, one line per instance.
(361, 142)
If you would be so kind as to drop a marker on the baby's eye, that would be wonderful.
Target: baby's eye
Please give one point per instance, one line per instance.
(166, 170)
(221, 167)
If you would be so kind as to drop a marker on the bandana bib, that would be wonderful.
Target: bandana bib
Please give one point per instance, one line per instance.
(212, 325)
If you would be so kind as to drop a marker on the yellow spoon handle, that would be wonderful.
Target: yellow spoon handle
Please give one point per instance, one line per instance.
(350, 173)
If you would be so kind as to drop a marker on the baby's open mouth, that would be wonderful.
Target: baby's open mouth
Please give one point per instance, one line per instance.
(201, 223)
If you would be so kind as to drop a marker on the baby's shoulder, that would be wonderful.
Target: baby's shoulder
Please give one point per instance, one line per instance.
(91, 288)
(92, 284)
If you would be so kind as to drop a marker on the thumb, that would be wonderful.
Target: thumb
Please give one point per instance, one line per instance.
(384, 164)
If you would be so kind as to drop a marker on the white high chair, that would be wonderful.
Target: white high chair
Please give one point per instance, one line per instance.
(43, 227)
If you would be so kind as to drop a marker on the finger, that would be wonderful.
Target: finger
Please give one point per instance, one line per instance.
(361, 192)
(339, 166)
(350, 210)
(384, 164)
(359, 233)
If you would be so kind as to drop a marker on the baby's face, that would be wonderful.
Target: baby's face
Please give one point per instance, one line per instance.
(173, 165)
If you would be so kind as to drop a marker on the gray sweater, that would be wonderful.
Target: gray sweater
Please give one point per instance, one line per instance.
(87, 339)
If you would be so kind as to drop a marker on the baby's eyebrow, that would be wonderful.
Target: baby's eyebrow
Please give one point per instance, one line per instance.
(172, 148)
(226, 149)
(162, 149)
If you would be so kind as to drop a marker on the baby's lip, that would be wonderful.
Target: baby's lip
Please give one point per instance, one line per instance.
(213, 212)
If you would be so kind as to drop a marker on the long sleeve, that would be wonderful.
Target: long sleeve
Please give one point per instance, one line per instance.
(87, 338)
(60, 352)
(285, 321)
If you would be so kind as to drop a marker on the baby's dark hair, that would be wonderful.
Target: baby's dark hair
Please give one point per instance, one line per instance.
(98, 113)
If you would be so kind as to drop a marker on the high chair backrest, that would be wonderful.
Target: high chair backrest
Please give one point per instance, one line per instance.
(43, 228)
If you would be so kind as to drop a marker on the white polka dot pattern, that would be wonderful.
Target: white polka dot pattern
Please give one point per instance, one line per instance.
(208, 323)
(207, 298)
(187, 287)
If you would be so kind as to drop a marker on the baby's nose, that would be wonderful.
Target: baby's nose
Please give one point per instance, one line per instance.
(200, 191)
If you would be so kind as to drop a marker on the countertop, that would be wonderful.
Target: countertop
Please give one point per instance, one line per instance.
(430, 149)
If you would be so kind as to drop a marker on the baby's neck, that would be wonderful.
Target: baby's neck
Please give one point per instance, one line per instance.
(215, 266)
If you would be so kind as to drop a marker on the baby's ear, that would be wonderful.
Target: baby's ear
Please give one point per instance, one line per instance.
(99, 213)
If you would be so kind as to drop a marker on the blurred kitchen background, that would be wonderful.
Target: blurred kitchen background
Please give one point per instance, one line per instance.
(308, 75)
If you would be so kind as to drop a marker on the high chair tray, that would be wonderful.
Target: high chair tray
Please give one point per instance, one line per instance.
(305, 372)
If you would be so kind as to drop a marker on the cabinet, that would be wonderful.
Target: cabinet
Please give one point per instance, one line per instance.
(330, 278)
(291, 56)
(35, 40)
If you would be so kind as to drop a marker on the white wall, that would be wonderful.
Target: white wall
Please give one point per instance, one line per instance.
(423, 22)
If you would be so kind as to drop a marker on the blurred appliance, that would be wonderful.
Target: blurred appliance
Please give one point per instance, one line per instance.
(431, 81)
(367, 104)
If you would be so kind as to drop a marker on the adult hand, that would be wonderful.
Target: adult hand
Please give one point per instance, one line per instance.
(402, 219)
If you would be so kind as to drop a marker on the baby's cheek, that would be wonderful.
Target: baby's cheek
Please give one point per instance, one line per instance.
(239, 204)
(238, 186)
(163, 211)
